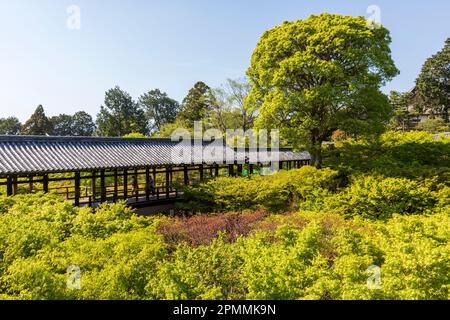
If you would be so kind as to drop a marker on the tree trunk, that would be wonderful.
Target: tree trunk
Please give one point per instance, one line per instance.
(316, 149)
(446, 116)
(316, 157)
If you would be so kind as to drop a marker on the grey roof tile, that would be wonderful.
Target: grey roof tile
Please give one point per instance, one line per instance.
(37, 154)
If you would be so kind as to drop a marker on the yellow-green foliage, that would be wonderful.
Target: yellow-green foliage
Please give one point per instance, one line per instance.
(392, 212)
(380, 198)
(328, 259)
(305, 255)
(411, 154)
(276, 192)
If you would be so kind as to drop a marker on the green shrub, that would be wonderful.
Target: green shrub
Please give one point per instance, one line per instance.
(107, 220)
(398, 224)
(380, 198)
(329, 258)
(203, 272)
(411, 154)
(278, 192)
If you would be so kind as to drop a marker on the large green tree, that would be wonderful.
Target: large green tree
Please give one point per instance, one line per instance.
(404, 108)
(197, 104)
(38, 124)
(10, 126)
(311, 77)
(120, 115)
(160, 109)
(79, 124)
(62, 125)
(433, 83)
(230, 110)
(82, 124)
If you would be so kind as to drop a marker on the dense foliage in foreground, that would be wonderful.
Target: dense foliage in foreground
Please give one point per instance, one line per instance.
(348, 233)
(305, 255)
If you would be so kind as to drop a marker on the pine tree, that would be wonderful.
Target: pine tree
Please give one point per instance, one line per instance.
(38, 124)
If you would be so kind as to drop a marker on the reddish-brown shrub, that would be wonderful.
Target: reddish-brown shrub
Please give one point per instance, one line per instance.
(202, 229)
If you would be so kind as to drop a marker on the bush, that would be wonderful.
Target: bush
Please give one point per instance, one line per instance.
(412, 154)
(203, 229)
(277, 193)
(380, 198)
(329, 259)
(434, 125)
(305, 255)
(203, 272)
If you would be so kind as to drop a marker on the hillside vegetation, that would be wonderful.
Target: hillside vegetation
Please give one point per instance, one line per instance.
(375, 224)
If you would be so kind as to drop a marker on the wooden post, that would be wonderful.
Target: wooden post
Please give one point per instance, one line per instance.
(167, 181)
(147, 184)
(250, 168)
(201, 172)
(231, 170)
(45, 183)
(239, 169)
(210, 171)
(102, 186)
(125, 184)
(9, 186)
(14, 185)
(216, 170)
(136, 184)
(77, 188)
(115, 185)
(93, 185)
(186, 176)
(281, 165)
(30, 183)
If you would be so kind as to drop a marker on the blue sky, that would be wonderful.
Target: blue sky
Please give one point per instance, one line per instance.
(141, 45)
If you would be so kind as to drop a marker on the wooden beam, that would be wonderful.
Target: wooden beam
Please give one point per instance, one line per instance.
(231, 170)
(14, 185)
(102, 186)
(77, 188)
(136, 184)
(239, 169)
(30, 183)
(147, 184)
(125, 184)
(216, 170)
(186, 176)
(9, 186)
(201, 172)
(116, 182)
(45, 183)
(167, 181)
(93, 185)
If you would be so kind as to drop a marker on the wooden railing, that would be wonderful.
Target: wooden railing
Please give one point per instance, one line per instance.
(139, 194)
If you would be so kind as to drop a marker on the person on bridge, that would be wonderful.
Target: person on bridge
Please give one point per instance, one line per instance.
(134, 184)
(151, 185)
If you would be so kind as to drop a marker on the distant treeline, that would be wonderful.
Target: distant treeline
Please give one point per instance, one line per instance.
(153, 114)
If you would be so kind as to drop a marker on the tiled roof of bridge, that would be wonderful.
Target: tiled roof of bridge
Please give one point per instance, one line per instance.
(37, 154)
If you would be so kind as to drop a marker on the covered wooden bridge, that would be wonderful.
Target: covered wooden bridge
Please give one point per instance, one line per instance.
(92, 170)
